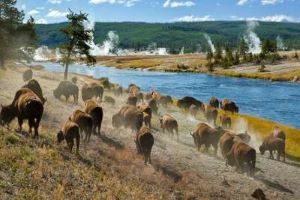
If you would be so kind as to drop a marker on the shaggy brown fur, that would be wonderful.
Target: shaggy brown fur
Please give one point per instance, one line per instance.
(26, 105)
(278, 133)
(226, 142)
(153, 105)
(205, 135)
(85, 123)
(129, 117)
(272, 144)
(140, 97)
(96, 112)
(170, 123)
(165, 100)
(118, 91)
(211, 114)
(144, 142)
(133, 89)
(27, 75)
(225, 121)
(194, 110)
(147, 112)
(259, 194)
(147, 96)
(243, 137)
(241, 154)
(230, 106)
(69, 132)
(214, 102)
(186, 102)
(36, 88)
(93, 90)
(74, 80)
(67, 89)
(109, 100)
(132, 100)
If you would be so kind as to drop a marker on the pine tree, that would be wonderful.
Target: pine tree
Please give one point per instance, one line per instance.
(77, 41)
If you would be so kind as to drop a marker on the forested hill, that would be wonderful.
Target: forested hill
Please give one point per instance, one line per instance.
(174, 36)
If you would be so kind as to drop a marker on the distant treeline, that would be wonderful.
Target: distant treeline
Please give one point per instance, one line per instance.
(174, 36)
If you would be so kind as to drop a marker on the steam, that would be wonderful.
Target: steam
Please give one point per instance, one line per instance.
(42, 53)
(210, 43)
(252, 39)
(280, 44)
(181, 51)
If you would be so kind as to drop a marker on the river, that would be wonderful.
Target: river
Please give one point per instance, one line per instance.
(276, 101)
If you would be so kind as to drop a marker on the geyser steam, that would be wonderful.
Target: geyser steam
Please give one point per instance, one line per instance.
(252, 39)
(210, 43)
(279, 43)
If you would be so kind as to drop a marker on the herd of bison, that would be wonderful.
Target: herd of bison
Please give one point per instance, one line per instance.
(28, 104)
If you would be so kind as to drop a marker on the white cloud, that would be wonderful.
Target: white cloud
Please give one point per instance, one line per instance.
(176, 4)
(54, 1)
(192, 18)
(56, 14)
(127, 3)
(41, 21)
(272, 18)
(270, 2)
(33, 12)
(242, 2)
(23, 6)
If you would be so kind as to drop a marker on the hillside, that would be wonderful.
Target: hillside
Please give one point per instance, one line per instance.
(108, 168)
(174, 36)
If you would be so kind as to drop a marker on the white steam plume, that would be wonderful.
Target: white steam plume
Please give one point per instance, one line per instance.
(279, 43)
(252, 39)
(210, 43)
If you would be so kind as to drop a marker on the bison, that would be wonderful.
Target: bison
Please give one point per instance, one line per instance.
(214, 102)
(109, 100)
(153, 105)
(144, 142)
(69, 132)
(206, 135)
(132, 100)
(243, 137)
(147, 114)
(27, 75)
(36, 88)
(230, 106)
(241, 154)
(225, 121)
(118, 91)
(226, 142)
(67, 89)
(271, 144)
(93, 90)
(133, 89)
(96, 112)
(278, 133)
(85, 123)
(211, 114)
(165, 100)
(26, 105)
(74, 80)
(187, 101)
(140, 97)
(169, 123)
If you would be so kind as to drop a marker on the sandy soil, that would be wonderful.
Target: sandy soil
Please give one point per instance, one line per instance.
(178, 170)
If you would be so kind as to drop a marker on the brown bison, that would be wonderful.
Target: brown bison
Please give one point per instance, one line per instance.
(214, 102)
(206, 135)
(155, 95)
(85, 123)
(133, 89)
(118, 91)
(144, 142)
(194, 110)
(93, 90)
(147, 96)
(129, 117)
(67, 89)
(278, 133)
(96, 112)
(109, 100)
(226, 142)
(230, 106)
(271, 144)
(225, 121)
(259, 194)
(243, 137)
(165, 100)
(132, 100)
(140, 97)
(36, 88)
(74, 80)
(147, 114)
(27, 75)
(242, 154)
(170, 123)
(69, 132)
(26, 105)
(153, 105)
(186, 102)
(211, 114)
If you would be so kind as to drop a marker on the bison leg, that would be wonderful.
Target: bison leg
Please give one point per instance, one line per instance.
(206, 147)
(36, 126)
(31, 124)
(271, 155)
(20, 122)
(70, 145)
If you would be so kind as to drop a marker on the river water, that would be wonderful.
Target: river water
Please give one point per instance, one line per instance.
(276, 101)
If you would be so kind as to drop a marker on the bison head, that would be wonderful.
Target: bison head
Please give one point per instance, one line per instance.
(60, 137)
(7, 114)
(262, 149)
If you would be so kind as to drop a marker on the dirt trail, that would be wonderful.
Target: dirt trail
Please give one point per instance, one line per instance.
(178, 171)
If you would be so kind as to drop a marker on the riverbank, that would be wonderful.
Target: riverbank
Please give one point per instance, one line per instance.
(286, 70)
(109, 168)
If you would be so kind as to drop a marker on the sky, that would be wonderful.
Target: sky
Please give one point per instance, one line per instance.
(54, 11)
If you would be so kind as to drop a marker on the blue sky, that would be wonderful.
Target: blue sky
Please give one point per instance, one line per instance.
(52, 11)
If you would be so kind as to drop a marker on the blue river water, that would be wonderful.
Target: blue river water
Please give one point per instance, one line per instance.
(276, 101)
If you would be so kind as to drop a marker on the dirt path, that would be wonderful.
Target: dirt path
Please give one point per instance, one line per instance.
(178, 171)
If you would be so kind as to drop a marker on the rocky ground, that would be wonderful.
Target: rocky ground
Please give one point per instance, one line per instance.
(108, 168)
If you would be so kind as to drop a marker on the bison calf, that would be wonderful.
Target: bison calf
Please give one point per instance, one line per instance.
(144, 142)
(273, 144)
(169, 123)
(69, 132)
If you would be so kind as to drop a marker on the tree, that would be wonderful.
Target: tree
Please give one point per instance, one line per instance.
(243, 49)
(268, 47)
(15, 37)
(209, 55)
(77, 44)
